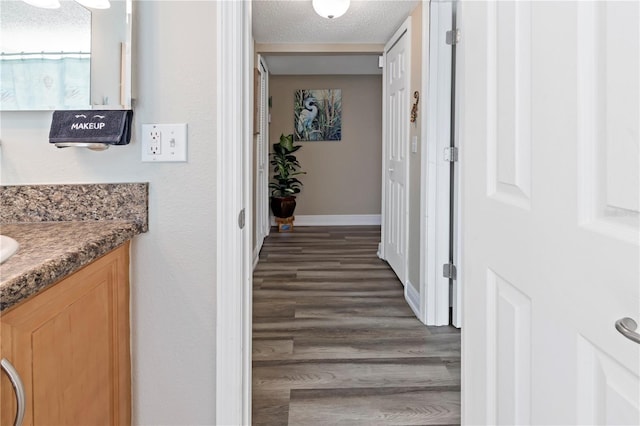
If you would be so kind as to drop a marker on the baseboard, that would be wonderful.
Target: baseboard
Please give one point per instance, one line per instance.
(335, 220)
(256, 255)
(412, 296)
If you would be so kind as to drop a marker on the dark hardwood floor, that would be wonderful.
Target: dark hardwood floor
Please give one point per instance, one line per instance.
(335, 343)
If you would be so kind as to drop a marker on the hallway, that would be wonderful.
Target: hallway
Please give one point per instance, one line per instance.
(334, 341)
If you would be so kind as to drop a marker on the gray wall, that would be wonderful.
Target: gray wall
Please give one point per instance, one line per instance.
(343, 177)
(173, 269)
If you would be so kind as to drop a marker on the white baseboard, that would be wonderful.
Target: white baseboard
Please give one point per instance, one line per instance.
(412, 296)
(335, 220)
(256, 254)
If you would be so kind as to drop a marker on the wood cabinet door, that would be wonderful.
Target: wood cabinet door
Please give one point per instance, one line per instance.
(70, 344)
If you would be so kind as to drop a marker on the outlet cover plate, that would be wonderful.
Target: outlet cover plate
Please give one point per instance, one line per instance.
(164, 142)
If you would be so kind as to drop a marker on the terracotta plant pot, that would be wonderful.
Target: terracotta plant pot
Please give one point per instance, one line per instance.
(283, 206)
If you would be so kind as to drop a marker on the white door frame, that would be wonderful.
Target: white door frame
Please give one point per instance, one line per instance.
(435, 199)
(234, 112)
(458, 283)
(405, 29)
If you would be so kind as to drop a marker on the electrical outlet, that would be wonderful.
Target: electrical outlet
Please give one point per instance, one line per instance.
(164, 142)
(155, 144)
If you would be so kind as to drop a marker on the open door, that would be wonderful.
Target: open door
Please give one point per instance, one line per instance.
(261, 189)
(550, 157)
(396, 106)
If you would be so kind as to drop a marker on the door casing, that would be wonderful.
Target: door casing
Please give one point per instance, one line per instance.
(234, 182)
(435, 200)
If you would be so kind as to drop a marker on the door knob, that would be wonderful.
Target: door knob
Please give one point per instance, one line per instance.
(628, 327)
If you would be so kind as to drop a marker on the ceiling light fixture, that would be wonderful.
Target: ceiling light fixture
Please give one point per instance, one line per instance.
(95, 4)
(45, 4)
(330, 8)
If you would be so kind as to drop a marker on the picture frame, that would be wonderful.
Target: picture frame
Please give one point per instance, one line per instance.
(318, 115)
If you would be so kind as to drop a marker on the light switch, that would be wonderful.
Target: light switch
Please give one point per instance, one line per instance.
(414, 144)
(164, 142)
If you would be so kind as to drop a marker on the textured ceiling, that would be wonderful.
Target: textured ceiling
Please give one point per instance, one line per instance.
(295, 21)
(26, 28)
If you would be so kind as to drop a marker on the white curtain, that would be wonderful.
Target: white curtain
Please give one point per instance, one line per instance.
(43, 83)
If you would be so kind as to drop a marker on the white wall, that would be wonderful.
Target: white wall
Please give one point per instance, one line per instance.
(173, 265)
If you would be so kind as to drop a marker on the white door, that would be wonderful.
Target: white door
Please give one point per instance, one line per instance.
(550, 198)
(396, 106)
(262, 159)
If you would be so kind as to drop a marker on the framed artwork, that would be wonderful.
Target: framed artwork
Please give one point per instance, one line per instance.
(318, 115)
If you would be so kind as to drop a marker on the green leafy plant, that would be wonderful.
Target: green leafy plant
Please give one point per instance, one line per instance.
(285, 167)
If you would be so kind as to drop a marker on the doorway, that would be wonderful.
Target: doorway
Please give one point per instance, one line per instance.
(421, 299)
(428, 290)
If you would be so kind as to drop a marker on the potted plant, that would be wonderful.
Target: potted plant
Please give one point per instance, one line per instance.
(285, 184)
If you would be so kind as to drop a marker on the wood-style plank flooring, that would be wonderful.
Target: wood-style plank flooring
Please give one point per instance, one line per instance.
(334, 341)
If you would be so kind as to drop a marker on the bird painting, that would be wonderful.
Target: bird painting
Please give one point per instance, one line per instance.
(307, 115)
(318, 115)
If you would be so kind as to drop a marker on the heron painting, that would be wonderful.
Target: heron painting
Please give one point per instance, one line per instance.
(318, 115)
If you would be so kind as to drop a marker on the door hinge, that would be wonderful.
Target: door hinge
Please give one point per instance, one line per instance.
(451, 154)
(449, 271)
(452, 37)
(380, 61)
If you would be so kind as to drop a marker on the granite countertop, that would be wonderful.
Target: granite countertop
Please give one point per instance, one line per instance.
(49, 251)
(61, 228)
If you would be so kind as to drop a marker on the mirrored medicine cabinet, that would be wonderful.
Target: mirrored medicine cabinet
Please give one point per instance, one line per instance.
(71, 57)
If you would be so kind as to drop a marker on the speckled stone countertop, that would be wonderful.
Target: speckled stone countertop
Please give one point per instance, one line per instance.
(61, 228)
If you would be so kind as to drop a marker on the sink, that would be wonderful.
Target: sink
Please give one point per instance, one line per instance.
(8, 246)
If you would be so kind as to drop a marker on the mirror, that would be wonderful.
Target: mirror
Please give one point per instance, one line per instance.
(71, 57)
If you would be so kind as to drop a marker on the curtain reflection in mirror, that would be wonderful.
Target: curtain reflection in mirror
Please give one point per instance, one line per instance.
(41, 81)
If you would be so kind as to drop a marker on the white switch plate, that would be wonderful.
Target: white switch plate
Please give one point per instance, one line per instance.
(414, 144)
(164, 142)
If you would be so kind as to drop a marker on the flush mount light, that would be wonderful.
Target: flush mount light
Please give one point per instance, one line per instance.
(95, 4)
(45, 4)
(330, 8)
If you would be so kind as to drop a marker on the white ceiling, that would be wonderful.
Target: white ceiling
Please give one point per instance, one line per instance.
(294, 21)
(26, 28)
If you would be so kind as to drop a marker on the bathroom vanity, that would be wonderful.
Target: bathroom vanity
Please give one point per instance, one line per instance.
(70, 346)
(64, 303)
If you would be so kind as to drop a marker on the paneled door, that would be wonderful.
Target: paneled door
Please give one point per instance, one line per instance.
(549, 130)
(396, 146)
